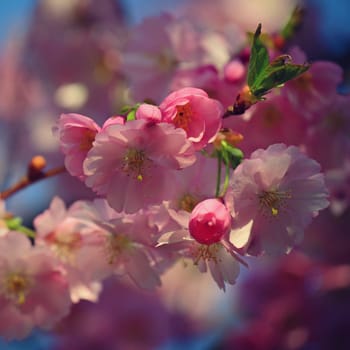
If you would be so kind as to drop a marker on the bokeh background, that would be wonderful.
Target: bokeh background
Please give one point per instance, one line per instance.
(47, 67)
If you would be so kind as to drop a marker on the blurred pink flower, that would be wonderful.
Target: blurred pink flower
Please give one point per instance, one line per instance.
(76, 242)
(192, 110)
(279, 190)
(124, 318)
(316, 88)
(131, 164)
(328, 139)
(272, 121)
(156, 50)
(33, 289)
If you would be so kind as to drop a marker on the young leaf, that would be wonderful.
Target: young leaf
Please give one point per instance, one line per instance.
(259, 58)
(264, 75)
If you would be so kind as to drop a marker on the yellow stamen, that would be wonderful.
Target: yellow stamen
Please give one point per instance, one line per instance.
(273, 201)
(16, 287)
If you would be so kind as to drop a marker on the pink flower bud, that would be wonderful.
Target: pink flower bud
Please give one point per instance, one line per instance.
(210, 221)
(149, 112)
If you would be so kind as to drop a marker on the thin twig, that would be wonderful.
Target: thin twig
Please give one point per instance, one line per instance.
(25, 182)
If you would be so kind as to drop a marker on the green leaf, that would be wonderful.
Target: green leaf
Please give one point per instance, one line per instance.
(277, 74)
(264, 75)
(259, 58)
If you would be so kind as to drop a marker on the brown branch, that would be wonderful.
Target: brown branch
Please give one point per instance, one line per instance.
(26, 181)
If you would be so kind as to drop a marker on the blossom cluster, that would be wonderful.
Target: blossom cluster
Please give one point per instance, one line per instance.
(176, 176)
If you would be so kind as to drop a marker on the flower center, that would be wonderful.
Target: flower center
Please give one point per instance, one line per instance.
(183, 116)
(134, 163)
(16, 286)
(188, 202)
(206, 252)
(87, 140)
(115, 245)
(64, 244)
(273, 201)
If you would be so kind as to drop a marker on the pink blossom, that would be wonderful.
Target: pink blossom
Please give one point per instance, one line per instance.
(76, 134)
(33, 290)
(116, 119)
(192, 110)
(131, 164)
(126, 245)
(155, 51)
(124, 318)
(149, 112)
(219, 258)
(210, 221)
(272, 121)
(328, 139)
(76, 242)
(208, 247)
(316, 88)
(127, 252)
(279, 190)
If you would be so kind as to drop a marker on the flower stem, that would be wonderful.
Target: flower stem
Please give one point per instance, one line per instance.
(227, 179)
(27, 231)
(218, 179)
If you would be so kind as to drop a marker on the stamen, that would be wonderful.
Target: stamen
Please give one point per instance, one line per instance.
(273, 201)
(65, 244)
(188, 203)
(16, 286)
(207, 253)
(115, 245)
(183, 116)
(134, 163)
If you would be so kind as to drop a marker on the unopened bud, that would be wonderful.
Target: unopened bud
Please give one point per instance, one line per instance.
(35, 168)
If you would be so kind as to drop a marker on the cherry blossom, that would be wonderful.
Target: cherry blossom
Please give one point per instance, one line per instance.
(75, 242)
(130, 164)
(192, 110)
(279, 190)
(33, 288)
